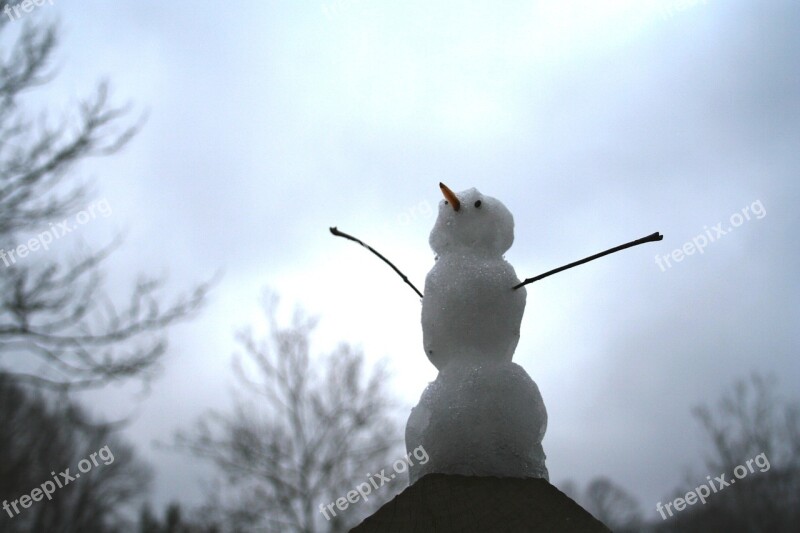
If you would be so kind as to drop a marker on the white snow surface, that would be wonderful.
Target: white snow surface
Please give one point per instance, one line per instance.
(483, 415)
(480, 419)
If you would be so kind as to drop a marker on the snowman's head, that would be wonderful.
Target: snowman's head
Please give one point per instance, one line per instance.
(472, 222)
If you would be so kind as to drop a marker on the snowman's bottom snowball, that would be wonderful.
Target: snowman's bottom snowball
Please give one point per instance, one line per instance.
(479, 419)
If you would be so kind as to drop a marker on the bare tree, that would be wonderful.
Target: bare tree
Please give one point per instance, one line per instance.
(748, 421)
(612, 505)
(58, 327)
(308, 432)
(608, 502)
(41, 437)
(174, 522)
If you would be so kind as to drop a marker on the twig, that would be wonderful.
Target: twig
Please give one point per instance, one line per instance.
(650, 238)
(371, 249)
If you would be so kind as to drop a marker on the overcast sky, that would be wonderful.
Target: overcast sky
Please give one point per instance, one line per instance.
(594, 122)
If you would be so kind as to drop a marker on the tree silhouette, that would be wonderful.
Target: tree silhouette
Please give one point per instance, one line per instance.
(608, 502)
(308, 432)
(41, 436)
(174, 522)
(59, 330)
(612, 505)
(58, 327)
(749, 420)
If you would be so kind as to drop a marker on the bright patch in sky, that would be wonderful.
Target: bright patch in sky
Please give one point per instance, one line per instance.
(465, 82)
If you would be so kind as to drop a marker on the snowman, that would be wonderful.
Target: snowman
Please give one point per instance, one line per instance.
(483, 415)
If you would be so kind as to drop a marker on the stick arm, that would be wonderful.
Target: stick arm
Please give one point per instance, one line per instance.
(335, 231)
(650, 238)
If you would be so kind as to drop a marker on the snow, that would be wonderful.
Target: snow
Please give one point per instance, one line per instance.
(480, 419)
(483, 415)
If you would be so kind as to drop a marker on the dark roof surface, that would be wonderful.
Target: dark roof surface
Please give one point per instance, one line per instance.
(449, 503)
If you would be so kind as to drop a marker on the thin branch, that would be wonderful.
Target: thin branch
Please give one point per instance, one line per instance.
(371, 249)
(650, 238)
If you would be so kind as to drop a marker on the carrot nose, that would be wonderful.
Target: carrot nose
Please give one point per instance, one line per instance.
(450, 196)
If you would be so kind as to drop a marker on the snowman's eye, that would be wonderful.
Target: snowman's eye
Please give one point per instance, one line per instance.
(478, 203)
(446, 202)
